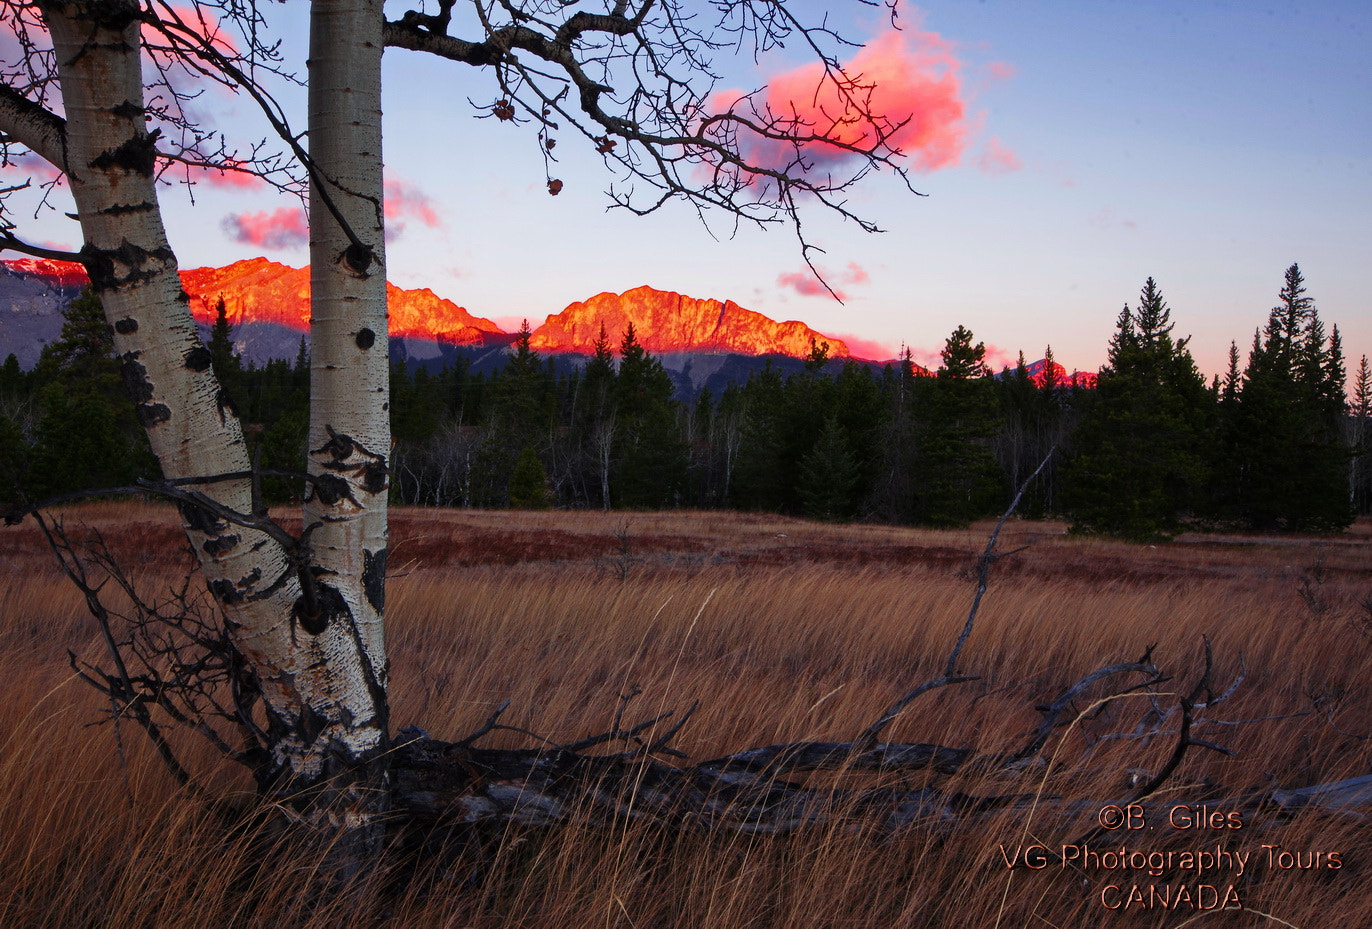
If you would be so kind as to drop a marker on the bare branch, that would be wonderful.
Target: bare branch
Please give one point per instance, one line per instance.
(639, 86)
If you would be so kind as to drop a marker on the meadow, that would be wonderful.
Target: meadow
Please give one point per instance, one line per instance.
(782, 630)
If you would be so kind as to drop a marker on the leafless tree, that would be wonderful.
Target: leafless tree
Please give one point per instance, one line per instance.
(306, 613)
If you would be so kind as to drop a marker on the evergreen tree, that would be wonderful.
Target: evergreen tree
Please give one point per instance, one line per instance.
(1289, 460)
(529, 482)
(522, 414)
(858, 407)
(1223, 495)
(892, 496)
(1139, 462)
(280, 445)
(649, 452)
(11, 376)
(595, 419)
(1360, 439)
(14, 453)
(228, 367)
(962, 361)
(522, 405)
(1035, 418)
(957, 476)
(88, 434)
(828, 476)
(818, 356)
(300, 372)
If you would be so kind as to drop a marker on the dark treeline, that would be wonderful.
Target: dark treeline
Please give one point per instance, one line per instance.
(1274, 444)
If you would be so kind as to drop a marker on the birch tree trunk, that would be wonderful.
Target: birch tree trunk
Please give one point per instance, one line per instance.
(307, 621)
(349, 438)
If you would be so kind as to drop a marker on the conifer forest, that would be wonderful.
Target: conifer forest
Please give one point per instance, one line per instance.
(1279, 442)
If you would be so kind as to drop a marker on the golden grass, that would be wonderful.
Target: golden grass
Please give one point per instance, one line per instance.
(783, 630)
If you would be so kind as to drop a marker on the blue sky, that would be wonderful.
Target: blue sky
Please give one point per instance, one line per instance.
(1208, 145)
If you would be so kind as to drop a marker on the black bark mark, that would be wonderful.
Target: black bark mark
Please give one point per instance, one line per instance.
(101, 264)
(225, 405)
(126, 326)
(374, 477)
(339, 446)
(219, 545)
(225, 592)
(140, 389)
(135, 377)
(358, 258)
(329, 489)
(200, 519)
(365, 338)
(374, 578)
(137, 155)
(152, 414)
(199, 358)
(329, 606)
(122, 209)
(311, 725)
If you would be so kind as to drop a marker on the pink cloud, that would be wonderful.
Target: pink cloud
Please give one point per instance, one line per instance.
(907, 97)
(998, 358)
(204, 24)
(868, 349)
(807, 285)
(997, 158)
(231, 175)
(1000, 71)
(1105, 218)
(286, 227)
(927, 358)
(406, 201)
(36, 169)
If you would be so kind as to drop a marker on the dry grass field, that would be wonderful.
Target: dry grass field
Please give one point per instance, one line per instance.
(782, 630)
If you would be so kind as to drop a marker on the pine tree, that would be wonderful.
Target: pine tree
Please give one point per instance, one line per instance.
(88, 434)
(650, 452)
(1139, 462)
(11, 376)
(1222, 504)
(1360, 439)
(228, 367)
(1290, 461)
(522, 414)
(529, 482)
(818, 356)
(962, 361)
(14, 453)
(957, 478)
(594, 419)
(1034, 419)
(1050, 370)
(828, 476)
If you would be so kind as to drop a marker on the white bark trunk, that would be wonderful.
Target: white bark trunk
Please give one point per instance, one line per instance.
(349, 439)
(324, 688)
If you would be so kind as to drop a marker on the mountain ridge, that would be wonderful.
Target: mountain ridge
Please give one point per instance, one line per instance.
(268, 304)
(259, 294)
(668, 322)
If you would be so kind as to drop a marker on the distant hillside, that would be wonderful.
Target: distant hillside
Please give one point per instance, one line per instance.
(702, 342)
(33, 294)
(670, 323)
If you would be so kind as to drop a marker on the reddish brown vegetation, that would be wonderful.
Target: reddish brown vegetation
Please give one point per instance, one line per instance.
(783, 630)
